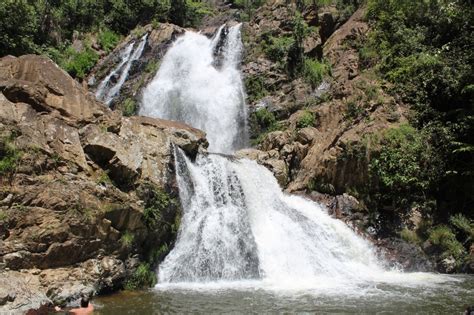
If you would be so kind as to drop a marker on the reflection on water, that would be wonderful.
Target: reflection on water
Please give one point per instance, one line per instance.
(450, 297)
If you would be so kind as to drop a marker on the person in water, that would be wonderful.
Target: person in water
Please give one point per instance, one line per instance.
(86, 307)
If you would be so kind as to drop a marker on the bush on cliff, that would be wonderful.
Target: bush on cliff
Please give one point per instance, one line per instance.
(423, 49)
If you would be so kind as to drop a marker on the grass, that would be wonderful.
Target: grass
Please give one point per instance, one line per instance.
(443, 237)
(410, 236)
(143, 277)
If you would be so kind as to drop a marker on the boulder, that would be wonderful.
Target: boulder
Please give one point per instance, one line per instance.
(39, 82)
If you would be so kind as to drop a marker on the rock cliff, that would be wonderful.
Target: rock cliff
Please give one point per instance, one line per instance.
(86, 194)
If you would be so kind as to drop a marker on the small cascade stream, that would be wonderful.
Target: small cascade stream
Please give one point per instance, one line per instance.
(107, 90)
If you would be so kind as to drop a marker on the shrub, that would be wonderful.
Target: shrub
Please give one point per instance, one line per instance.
(276, 48)
(9, 156)
(255, 88)
(353, 111)
(78, 64)
(314, 71)
(265, 118)
(443, 237)
(108, 40)
(143, 277)
(464, 225)
(129, 107)
(307, 119)
(127, 239)
(156, 202)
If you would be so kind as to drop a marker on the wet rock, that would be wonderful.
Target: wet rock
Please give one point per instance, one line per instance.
(409, 257)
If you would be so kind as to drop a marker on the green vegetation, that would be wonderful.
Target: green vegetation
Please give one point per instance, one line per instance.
(410, 236)
(276, 48)
(422, 48)
(157, 202)
(307, 119)
(104, 179)
(314, 71)
(3, 216)
(402, 171)
(321, 185)
(78, 64)
(129, 107)
(9, 156)
(265, 118)
(108, 40)
(264, 122)
(127, 239)
(48, 27)
(443, 237)
(255, 87)
(248, 7)
(353, 111)
(143, 277)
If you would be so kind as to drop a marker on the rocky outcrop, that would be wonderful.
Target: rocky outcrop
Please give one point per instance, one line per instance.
(79, 177)
(39, 82)
(347, 108)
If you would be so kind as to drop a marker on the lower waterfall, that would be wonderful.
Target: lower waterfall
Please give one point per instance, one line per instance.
(237, 224)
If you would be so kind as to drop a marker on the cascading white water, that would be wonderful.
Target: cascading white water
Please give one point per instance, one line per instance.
(107, 91)
(190, 88)
(237, 224)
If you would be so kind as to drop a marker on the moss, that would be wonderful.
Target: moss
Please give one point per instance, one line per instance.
(104, 179)
(3, 216)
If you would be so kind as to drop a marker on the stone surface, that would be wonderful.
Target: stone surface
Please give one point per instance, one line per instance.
(78, 187)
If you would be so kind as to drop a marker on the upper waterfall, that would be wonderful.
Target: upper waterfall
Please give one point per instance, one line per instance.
(192, 88)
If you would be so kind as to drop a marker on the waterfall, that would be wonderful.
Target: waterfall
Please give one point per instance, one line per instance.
(189, 87)
(237, 224)
(107, 91)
